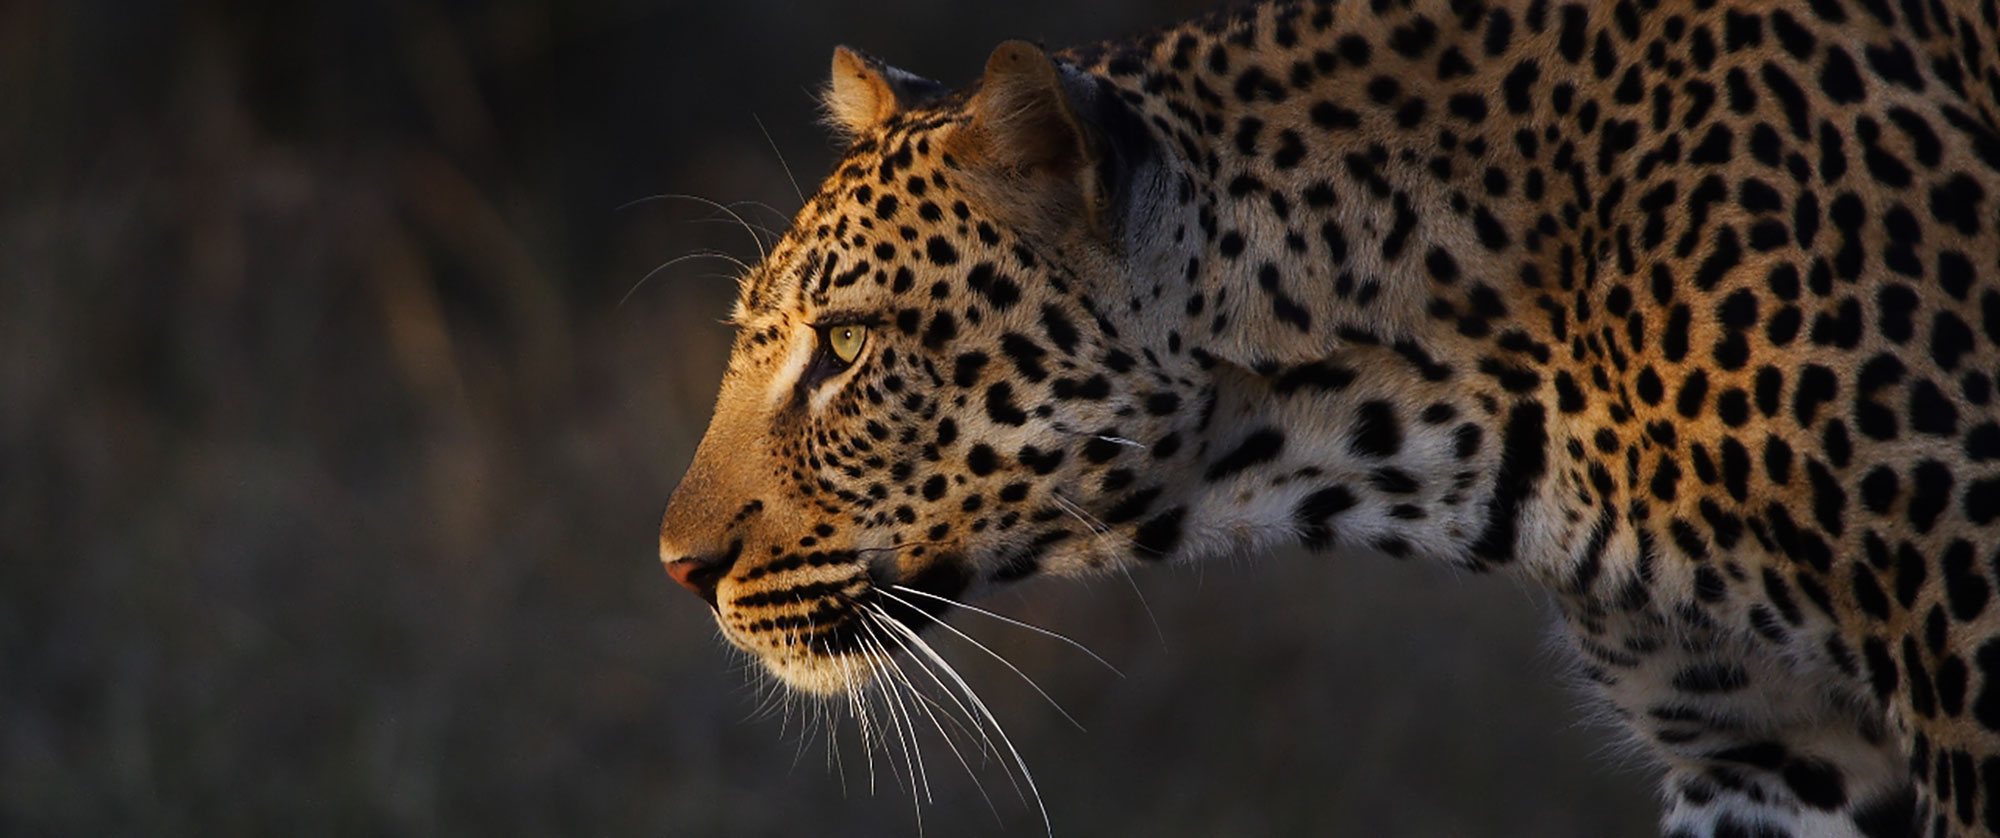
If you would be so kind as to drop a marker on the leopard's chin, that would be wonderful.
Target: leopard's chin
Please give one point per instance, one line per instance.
(816, 668)
(821, 674)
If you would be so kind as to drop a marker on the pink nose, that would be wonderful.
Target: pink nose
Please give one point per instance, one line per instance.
(701, 574)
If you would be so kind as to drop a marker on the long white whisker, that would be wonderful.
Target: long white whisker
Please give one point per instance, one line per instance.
(926, 704)
(752, 225)
(1115, 440)
(1081, 514)
(781, 159)
(899, 722)
(770, 701)
(705, 254)
(913, 754)
(833, 758)
(913, 758)
(1144, 605)
(774, 211)
(884, 732)
(895, 727)
(870, 623)
(761, 253)
(995, 655)
(878, 657)
(808, 725)
(857, 707)
(1103, 531)
(1107, 540)
(1011, 621)
(986, 743)
(1020, 763)
(1098, 528)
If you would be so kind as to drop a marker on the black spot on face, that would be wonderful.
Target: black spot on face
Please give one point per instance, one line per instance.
(1039, 461)
(981, 460)
(1025, 354)
(940, 251)
(966, 367)
(986, 280)
(1000, 406)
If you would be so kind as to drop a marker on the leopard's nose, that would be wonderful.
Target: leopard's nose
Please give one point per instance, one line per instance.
(701, 573)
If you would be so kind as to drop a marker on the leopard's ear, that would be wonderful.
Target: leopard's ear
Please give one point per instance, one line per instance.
(1023, 118)
(864, 92)
(1041, 134)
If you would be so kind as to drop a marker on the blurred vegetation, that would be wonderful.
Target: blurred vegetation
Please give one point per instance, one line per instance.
(330, 464)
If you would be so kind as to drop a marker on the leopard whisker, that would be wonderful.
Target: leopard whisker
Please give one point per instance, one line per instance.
(1144, 605)
(864, 720)
(781, 159)
(833, 758)
(930, 709)
(1060, 427)
(761, 252)
(1107, 540)
(817, 713)
(885, 735)
(808, 726)
(774, 211)
(895, 684)
(903, 728)
(1103, 531)
(918, 693)
(1013, 622)
(995, 655)
(702, 254)
(753, 225)
(769, 702)
(770, 696)
(922, 774)
(986, 744)
(985, 712)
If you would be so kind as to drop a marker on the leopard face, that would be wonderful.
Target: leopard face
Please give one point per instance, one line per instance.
(929, 392)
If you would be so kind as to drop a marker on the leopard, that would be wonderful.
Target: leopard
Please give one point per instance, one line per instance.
(1684, 313)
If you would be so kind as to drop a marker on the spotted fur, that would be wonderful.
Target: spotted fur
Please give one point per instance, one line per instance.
(1689, 314)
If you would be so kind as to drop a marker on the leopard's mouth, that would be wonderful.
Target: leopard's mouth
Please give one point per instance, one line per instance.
(840, 643)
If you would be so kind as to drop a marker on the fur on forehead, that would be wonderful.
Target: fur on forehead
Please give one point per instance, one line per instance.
(844, 220)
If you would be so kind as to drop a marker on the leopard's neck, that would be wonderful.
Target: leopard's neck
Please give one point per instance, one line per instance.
(1328, 186)
(1335, 216)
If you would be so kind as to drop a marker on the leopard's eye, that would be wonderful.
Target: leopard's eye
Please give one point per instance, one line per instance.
(846, 341)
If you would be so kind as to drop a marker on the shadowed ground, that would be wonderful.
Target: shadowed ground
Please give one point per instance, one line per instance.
(330, 464)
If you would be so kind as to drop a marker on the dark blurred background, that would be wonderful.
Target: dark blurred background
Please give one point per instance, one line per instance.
(330, 465)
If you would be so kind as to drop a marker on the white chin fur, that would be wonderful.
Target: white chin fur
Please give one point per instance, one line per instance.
(820, 675)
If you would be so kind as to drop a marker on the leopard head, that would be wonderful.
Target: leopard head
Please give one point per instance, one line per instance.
(945, 375)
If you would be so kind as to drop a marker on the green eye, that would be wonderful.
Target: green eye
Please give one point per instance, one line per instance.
(846, 341)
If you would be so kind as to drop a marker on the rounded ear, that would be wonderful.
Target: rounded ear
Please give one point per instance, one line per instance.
(1023, 117)
(1046, 140)
(864, 92)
